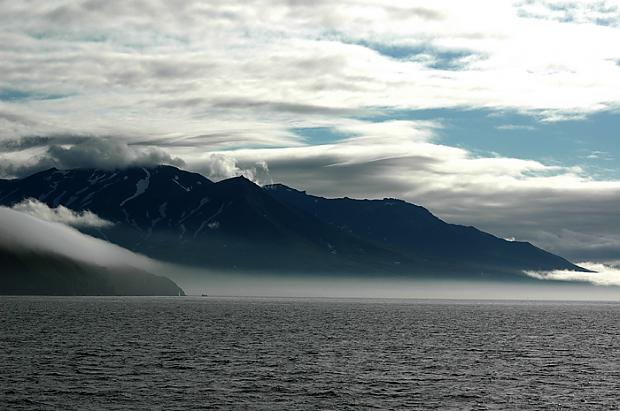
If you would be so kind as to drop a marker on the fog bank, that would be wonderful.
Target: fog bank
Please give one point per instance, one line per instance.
(196, 282)
(24, 232)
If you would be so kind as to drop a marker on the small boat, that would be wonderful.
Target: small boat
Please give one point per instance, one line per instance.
(204, 295)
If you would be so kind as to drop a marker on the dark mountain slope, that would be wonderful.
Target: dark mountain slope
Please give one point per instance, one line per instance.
(129, 195)
(174, 215)
(414, 231)
(39, 273)
(178, 216)
(276, 235)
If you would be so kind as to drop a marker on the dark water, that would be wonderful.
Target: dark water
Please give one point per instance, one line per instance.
(204, 353)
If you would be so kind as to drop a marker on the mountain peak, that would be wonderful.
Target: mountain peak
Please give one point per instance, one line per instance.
(280, 186)
(238, 181)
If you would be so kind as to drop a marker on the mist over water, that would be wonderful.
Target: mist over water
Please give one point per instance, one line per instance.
(199, 281)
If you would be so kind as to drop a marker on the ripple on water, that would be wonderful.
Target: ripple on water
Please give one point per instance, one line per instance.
(184, 353)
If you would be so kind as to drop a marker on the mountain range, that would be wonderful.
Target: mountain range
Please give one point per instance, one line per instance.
(183, 217)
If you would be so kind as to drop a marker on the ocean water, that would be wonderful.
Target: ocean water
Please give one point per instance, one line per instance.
(226, 353)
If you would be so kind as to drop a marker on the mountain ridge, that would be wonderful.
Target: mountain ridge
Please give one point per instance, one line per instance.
(234, 224)
(397, 223)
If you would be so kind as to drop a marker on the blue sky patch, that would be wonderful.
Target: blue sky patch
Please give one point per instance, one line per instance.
(320, 135)
(14, 95)
(591, 143)
(425, 53)
(432, 58)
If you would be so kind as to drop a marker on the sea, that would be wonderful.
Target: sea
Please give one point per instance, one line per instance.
(190, 353)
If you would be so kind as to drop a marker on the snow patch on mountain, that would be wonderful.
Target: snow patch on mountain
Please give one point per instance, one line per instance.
(175, 180)
(162, 209)
(56, 201)
(203, 201)
(208, 220)
(141, 186)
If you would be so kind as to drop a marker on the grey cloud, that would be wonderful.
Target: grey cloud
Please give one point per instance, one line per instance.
(275, 106)
(234, 137)
(580, 223)
(170, 69)
(24, 143)
(326, 174)
(220, 166)
(16, 118)
(201, 140)
(263, 106)
(416, 12)
(109, 153)
(85, 152)
(235, 106)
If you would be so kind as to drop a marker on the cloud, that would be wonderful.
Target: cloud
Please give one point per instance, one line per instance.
(140, 70)
(108, 153)
(558, 208)
(24, 143)
(515, 127)
(226, 97)
(21, 231)
(600, 12)
(60, 214)
(601, 274)
(220, 166)
(600, 155)
(67, 152)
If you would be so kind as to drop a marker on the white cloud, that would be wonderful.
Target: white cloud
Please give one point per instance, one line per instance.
(22, 231)
(60, 214)
(515, 127)
(217, 166)
(600, 274)
(124, 69)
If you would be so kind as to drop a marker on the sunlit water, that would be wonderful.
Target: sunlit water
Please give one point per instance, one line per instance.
(192, 353)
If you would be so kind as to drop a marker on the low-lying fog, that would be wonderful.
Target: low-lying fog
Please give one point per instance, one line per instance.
(36, 228)
(197, 282)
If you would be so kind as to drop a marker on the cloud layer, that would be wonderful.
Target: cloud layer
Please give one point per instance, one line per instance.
(225, 89)
(21, 157)
(558, 208)
(60, 214)
(179, 69)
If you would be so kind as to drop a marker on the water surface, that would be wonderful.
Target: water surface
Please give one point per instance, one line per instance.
(244, 353)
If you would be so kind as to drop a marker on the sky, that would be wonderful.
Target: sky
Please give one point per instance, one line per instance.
(499, 114)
